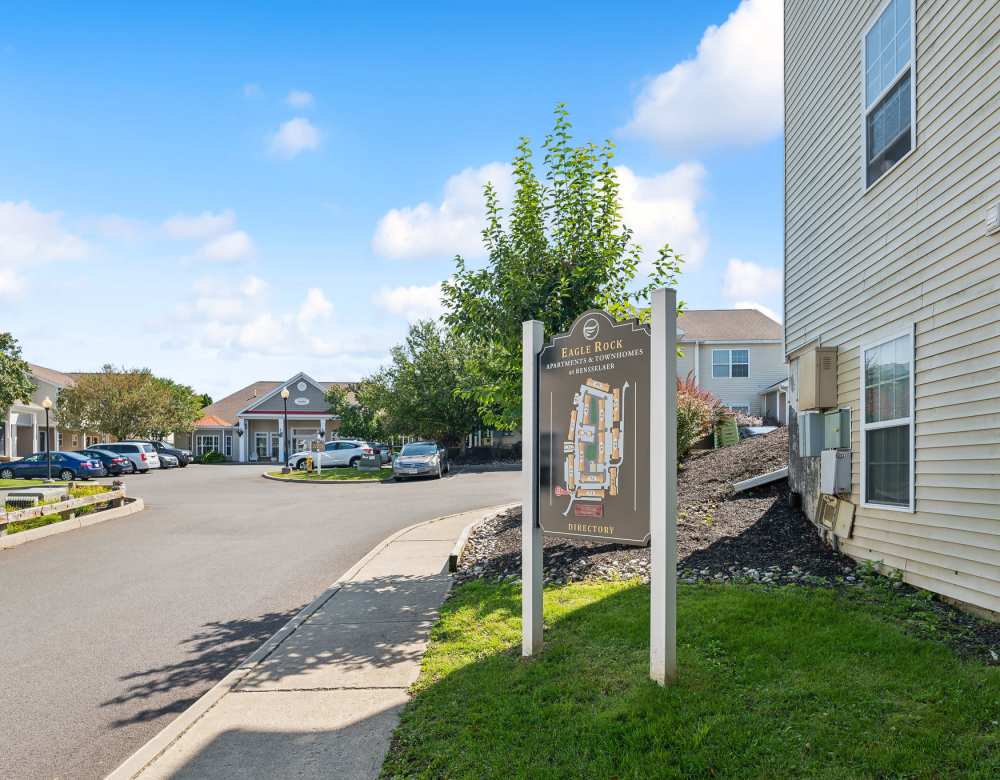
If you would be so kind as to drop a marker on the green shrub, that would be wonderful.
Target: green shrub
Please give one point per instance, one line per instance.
(210, 457)
(698, 411)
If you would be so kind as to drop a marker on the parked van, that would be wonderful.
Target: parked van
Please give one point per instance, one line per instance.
(142, 454)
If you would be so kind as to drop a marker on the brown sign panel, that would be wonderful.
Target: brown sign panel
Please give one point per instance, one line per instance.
(593, 431)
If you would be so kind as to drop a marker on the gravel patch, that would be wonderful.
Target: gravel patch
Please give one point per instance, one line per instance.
(750, 537)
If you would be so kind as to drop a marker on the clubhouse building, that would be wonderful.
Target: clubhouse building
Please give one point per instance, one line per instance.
(247, 426)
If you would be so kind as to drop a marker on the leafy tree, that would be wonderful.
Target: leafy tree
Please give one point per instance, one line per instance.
(127, 403)
(562, 250)
(15, 374)
(204, 399)
(177, 409)
(358, 418)
(419, 392)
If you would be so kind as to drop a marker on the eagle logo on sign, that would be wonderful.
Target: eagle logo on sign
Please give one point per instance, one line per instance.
(591, 329)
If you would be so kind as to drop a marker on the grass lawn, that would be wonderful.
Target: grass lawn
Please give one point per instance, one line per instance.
(774, 683)
(333, 475)
(19, 483)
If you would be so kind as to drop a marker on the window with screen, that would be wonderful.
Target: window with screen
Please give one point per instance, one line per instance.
(888, 88)
(887, 423)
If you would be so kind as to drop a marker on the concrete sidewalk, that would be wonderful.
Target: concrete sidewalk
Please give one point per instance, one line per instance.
(322, 696)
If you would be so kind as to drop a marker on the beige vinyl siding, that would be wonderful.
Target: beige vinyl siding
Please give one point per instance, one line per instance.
(685, 362)
(767, 366)
(909, 252)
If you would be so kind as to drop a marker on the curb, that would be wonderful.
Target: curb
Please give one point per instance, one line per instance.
(134, 506)
(330, 482)
(459, 548)
(135, 764)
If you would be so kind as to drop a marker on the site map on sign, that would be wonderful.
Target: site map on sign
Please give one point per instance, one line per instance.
(595, 450)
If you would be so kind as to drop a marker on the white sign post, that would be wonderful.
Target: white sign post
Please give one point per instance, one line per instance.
(663, 489)
(533, 335)
(662, 480)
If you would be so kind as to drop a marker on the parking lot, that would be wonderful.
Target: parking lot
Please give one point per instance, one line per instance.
(112, 630)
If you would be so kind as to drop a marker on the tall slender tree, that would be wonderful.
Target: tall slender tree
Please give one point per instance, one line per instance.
(563, 249)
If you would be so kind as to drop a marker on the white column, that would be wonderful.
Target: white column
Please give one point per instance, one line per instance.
(663, 489)
(697, 363)
(243, 441)
(34, 434)
(533, 334)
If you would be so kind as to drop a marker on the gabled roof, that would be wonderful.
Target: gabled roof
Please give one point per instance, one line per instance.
(224, 411)
(211, 421)
(57, 378)
(727, 325)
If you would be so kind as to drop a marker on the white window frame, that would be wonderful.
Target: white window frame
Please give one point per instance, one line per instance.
(910, 333)
(199, 447)
(729, 362)
(866, 110)
(739, 407)
(227, 445)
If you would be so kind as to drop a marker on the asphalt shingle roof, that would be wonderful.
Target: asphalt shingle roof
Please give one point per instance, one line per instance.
(223, 412)
(727, 325)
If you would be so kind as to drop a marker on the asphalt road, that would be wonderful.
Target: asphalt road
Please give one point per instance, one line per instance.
(108, 632)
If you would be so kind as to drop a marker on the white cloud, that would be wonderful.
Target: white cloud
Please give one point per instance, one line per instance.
(730, 93)
(299, 98)
(411, 302)
(11, 285)
(662, 209)
(315, 307)
(294, 137)
(252, 286)
(252, 90)
(451, 227)
(199, 226)
(765, 310)
(226, 320)
(748, 280)
(31, 236)
(228, 247)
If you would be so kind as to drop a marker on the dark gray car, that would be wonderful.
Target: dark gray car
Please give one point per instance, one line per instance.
(421, 459)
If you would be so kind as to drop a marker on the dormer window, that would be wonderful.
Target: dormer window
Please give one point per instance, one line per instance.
(889, 82)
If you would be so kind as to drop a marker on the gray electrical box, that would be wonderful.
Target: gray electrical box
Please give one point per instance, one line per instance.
(812, 434)
(835, 472)
(837, 429)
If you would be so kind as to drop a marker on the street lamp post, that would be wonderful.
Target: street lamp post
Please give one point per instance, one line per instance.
(284, 430)
(47, 404)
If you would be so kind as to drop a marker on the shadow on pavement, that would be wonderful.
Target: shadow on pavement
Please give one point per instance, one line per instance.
(211, 654)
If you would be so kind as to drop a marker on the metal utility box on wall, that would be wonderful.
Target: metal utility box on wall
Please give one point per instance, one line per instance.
(818, 379)
(835, 472)
(811, 434)
(837, 430)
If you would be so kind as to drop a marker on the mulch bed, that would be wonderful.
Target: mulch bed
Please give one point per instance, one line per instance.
(753, 536)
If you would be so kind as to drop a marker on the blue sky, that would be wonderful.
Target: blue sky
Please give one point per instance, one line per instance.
(260, 189)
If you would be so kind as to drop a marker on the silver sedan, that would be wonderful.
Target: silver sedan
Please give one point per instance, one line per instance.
(420, 459)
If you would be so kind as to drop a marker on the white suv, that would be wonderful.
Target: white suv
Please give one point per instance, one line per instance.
(341, 452)
(142, 454)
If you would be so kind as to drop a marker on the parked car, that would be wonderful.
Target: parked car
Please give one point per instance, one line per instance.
(384, 451)
(162, 448)
(341, 452)
(421, 459)
(142, 454)
(114, 463)
(167, 461)
(65, 466)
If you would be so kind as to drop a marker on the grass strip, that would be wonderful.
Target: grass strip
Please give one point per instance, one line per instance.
(774, 683)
